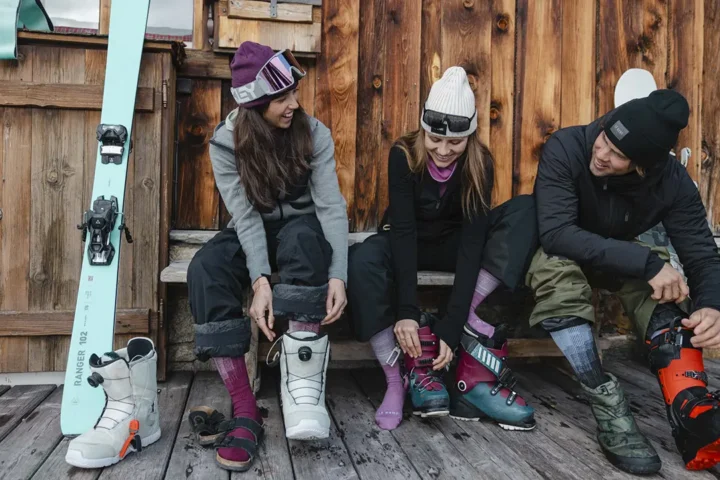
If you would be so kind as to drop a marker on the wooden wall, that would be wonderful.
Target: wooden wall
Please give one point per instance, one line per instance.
(50, 101)
(537, 66)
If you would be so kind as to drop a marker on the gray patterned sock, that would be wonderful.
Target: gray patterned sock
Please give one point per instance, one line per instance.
(578, 346)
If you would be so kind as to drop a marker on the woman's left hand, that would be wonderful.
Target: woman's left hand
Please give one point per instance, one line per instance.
(444, 358)
(336, 300)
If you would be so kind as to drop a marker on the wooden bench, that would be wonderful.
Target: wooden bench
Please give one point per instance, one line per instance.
(185, 243)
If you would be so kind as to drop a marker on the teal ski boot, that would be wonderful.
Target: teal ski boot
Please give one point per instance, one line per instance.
(484, 384)
(426, 386)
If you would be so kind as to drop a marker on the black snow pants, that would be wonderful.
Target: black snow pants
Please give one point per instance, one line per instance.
(509, 248)
(218, 276)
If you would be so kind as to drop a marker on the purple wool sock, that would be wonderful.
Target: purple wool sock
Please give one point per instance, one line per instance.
(233, 372)
(295, 326)
(389, 414)
(485, 285)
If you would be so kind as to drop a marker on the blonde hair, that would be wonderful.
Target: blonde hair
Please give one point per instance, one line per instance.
(474, 172)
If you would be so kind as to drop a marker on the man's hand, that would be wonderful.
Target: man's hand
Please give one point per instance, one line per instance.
(706, 326)
(406, 332)
(444, 358)
(336, 301)
(262, 302)
(669, 286)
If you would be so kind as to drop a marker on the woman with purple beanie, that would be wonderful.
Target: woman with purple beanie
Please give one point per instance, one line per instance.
(439, 218)
(274, 166)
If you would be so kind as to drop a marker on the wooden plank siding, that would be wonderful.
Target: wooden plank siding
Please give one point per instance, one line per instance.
(47, 162)
(536, 66)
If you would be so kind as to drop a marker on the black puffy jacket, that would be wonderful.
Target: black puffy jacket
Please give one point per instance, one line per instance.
(593, 220)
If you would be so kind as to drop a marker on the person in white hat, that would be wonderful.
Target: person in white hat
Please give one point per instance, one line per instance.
(440, 180)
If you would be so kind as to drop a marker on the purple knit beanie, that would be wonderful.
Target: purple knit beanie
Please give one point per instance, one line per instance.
(249, 58)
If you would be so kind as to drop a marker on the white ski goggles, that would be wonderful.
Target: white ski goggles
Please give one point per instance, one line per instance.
(276, 76)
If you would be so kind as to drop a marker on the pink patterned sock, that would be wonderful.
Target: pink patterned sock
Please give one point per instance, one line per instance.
(234, 374)
(295, 326)
(485, 285)
(389, 414)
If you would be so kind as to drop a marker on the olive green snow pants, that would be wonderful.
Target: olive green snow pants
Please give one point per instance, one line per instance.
(563, 289)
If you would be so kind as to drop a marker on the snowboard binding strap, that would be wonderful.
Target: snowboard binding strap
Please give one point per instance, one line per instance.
(112, 140)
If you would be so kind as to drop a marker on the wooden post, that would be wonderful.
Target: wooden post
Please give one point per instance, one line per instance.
(104, 26)
(685, 72)
(200, 25)
(337, 88)
(502, 95)
(371, 88)
(537, 109)
(710, 155)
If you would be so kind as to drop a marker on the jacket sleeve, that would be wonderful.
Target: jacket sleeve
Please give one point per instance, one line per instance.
(403, 234)
(469, 259)
(557, 206)
(248, 222)
(330, 205)
(688, 230)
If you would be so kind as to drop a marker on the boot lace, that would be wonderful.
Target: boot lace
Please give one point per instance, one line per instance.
(429, 380)
(116, 409)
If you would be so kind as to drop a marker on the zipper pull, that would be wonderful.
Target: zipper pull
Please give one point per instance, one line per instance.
(437, 205)
(627, 216)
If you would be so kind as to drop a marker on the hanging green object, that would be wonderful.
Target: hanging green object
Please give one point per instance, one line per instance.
(16, 14)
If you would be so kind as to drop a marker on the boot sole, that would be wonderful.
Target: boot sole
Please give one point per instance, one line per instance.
(432, 413)
(504, 426)
(75, 458)
(706, 457)
(307, 430)
(467, 412)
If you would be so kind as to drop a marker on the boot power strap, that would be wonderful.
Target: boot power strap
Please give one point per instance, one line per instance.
(490, 361)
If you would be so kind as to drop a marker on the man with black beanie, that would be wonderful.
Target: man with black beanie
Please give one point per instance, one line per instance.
(598, 187)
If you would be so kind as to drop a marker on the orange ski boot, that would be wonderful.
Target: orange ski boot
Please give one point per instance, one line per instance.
(691, 409)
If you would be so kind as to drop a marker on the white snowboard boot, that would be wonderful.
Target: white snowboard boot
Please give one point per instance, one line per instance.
(303, 364)
(130, 420)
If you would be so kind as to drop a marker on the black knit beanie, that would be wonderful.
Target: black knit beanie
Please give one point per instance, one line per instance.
(646, 129)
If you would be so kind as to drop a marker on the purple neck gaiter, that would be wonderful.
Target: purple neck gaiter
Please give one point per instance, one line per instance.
(441, 174)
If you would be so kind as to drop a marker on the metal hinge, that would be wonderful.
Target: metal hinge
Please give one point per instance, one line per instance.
(273, 8)
(164, 91)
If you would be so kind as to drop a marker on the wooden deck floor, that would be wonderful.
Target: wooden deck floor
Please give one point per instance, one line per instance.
(563, 445)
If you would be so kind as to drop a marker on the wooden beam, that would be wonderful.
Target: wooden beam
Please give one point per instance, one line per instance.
(70, 96)
(202, 64)
(255, 10)
(60, 39)
(60, 322)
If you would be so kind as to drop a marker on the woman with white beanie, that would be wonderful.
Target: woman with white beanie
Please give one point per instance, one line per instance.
(439, 218)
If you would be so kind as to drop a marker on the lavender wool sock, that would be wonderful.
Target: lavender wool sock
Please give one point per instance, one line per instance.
(389, 414)
(485, 285)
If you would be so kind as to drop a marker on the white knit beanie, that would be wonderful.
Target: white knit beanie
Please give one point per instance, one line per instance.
(451, 95)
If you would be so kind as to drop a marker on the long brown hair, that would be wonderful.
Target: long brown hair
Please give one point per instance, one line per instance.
(270, 160)
(478, 167)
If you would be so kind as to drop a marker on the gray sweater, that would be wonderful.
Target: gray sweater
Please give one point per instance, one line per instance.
(322, 197)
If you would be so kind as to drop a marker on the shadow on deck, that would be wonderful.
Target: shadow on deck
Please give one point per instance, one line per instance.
(563, 446)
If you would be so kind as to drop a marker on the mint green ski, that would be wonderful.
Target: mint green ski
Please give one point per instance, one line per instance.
(94, 325)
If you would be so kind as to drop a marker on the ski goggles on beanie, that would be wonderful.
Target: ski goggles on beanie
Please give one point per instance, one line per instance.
(280, 73)
(440, 123)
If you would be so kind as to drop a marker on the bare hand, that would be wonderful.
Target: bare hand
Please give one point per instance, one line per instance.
(336, 300)
(444, 358)
(706, 326)
(262, 303)
(406, 332)
(669, 285)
